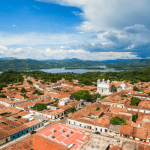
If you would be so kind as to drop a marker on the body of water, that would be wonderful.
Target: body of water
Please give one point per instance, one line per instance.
(63, 70)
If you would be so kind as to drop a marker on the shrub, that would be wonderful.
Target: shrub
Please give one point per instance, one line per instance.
(30, 82)
(135, 101)
(124, 96)
(136, 89)
(23, 90)
(118, 120)
(3, 96)
(39, 107)
(134, 117)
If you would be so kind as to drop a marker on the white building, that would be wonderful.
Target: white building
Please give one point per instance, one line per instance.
(103, 87)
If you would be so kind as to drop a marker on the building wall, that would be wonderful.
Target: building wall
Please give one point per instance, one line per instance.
(3, 141)
(19, 134)
(86, 126)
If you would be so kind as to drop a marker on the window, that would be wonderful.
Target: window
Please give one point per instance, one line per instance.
(101, 130)
(6, 140)
(22, 133)
(18, 134)
(105, 130)
(27, 131)
(13, 137)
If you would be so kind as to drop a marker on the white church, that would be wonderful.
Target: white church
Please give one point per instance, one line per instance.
(104, 87)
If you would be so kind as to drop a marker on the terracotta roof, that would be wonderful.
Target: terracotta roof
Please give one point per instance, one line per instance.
(82, 115)
(36, 142)
(11, 110)
(143, 146)
(115, 148)
(23, 120)
(23, 113)
(61, 95)
(141, 133)
(3, 134)
(32, 123)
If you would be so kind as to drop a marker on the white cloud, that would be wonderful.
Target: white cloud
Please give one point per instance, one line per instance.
(29, 52)
(38, 39)
(14, 25)
(106, 14)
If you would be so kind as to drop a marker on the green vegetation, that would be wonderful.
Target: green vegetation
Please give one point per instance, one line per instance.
(11, 88)
(54, 79)
(37, 92)
(113, 88)
(148, 93)
(39, 107)
(89, 114)
(3, 96)
(136, 89)
(85, 94)
(67, 91)
(5, 114)
(134, 117)
(118, 121)
(98, 109)
(124, 96)
(16, 88)
(103, 96)
(58, 89)
(24, 95)
(56, 101)
(30, 82)
(72, 109)
(135, 101)
(23, 90)
(10, 77)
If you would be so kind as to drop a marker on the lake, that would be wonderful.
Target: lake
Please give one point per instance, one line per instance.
(62, 70)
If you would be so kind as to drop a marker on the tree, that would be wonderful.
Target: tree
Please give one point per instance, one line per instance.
(23, 90)
(53, 80)
(82, 94)
(37, 92)
(16, 88)
(135, 101)
(118, 120)
(30, 82)
(113, 89)
(3, 96)
(97, 109)
(39, 107)
(86, 81)
(103, 96)
(72, 109)
(134, 117)
(58, 89)
(95, 96)
(124, 96)
(136, 89)
(148, 93)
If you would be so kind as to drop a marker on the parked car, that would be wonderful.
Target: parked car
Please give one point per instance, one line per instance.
(97, 132)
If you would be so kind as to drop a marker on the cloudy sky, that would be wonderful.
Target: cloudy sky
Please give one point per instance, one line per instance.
(83, 29)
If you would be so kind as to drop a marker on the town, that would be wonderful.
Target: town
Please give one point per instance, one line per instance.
(63, 115)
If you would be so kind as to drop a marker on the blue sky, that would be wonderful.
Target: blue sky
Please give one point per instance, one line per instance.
(83, 29)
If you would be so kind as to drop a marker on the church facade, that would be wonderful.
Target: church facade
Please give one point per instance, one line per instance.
(103, 87)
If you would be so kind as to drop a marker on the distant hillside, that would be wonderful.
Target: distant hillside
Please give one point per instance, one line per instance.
(27, 64)
(135, 64)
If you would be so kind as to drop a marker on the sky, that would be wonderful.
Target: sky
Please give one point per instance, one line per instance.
(83, 29)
